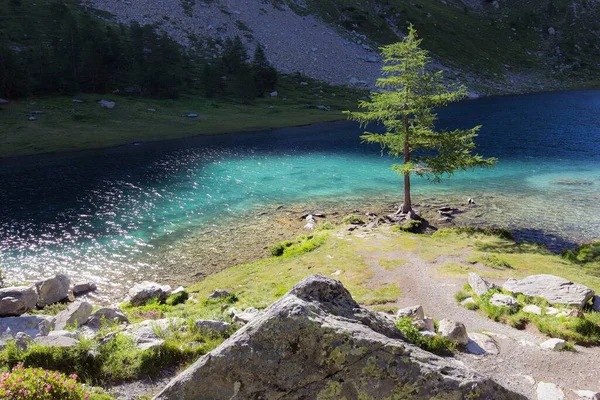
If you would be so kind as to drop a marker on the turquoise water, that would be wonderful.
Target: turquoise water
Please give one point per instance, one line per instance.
(98, 214)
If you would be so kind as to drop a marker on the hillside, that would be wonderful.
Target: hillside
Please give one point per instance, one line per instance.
(494, 47)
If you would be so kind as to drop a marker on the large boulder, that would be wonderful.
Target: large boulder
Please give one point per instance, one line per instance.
(143, 292)
(453, 331)
(17, 300)
(479, 285)
(33, 325)
(106, 315)
(553, 288)
(317, 342)
(75, 315)
(53, 290)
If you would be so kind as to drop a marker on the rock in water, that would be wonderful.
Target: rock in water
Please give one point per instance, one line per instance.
(53, 290)
(479, 285)
(17, 300)
(317, 342)
(555, 289)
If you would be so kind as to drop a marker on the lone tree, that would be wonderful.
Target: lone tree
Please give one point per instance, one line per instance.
(409, 93)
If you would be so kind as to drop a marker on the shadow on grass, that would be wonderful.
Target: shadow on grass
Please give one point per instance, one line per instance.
(534, 241)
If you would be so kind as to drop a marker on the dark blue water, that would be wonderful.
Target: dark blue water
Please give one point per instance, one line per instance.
(96, 214)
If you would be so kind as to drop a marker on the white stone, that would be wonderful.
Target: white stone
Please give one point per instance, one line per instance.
(532, 309)
(552, 311)
(553, 344)
(503, 300)
(107, 104)
(468, 300)
(549, 391)
(479, 285)
(587, 394)
(273, 94)
(414, 312)
(453, 331)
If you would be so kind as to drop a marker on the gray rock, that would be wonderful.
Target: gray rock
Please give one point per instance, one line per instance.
(246, 316)
(587, 394)
(22, 341)
(3, 101)
(414, 312)
(425, 324)
(148, 334)
(218, 294)
(553, 344)
(107, 104)
(551, 31)
(453, 331)
(218, 327)
(33, 325)
(503, 300)
(468, 300)
(479, 285)
(108, 315)
(56, 341)
(70, 334)
(53, 290)
(273, 94)
(555, 289)
(317, 342)
(532, 309)
(549, 391)
(17, 300)
(192, 115)
(31, 118)
(78, 101)
(75, 315)
(141, 293)
(596, 303)
(83, 288)
(480, 344)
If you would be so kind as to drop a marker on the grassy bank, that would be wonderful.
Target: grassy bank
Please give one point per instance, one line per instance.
(68, 126)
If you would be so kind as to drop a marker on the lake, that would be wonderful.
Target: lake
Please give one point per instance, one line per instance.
(105, 214)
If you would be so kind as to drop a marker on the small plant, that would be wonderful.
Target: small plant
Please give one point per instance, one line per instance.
(177, 298)
(411, 226)
(33, 383)
(586, 253)
(353, 219)
(462, 295)
(434, 344)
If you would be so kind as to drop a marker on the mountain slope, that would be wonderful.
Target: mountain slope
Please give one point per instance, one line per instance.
(500, 46)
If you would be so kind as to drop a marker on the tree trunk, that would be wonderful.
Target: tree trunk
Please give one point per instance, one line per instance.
(407, 206)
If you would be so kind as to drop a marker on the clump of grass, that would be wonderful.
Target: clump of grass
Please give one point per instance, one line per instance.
(302, 244)
(411, 226)
(434, 344)
(230, 299)
(461, 295)
(492, 261)
(353, 219)
(177, 298)
(50, 309)
(471, 231)
(586, 253)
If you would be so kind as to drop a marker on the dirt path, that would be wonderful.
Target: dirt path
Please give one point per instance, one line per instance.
(520, 363)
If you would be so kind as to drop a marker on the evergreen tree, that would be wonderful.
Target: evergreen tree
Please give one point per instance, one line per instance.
(265, 76)
(13, 74)
(234, 55)
(409, 93)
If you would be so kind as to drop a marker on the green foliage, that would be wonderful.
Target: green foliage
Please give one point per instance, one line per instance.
(177, 298)
(435, 344)
(492, 261)
(231, 299)
(409, 92)
(583, 254)
(473, 231)
(33, 383)
(265, 76)
(461, 295)
(579, 330)
(353, 219)
(411, 226)
(302, 244)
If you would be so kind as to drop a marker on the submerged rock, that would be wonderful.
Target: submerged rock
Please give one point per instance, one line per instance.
(553, 288)
(317, 342)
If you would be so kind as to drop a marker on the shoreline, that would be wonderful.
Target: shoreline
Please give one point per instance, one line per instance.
(257, 130)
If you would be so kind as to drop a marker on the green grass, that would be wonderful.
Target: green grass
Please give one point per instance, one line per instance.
(300, 245)
(66, 126)
(435, 344)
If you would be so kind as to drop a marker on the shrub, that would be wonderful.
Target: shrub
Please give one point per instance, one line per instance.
(434, 344)
(586, 253)
(33, 383)
(302, 244)
(177, 298)
(353, 219)
(412, 226)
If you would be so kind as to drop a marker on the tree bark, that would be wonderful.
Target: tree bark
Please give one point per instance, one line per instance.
(407, 206)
